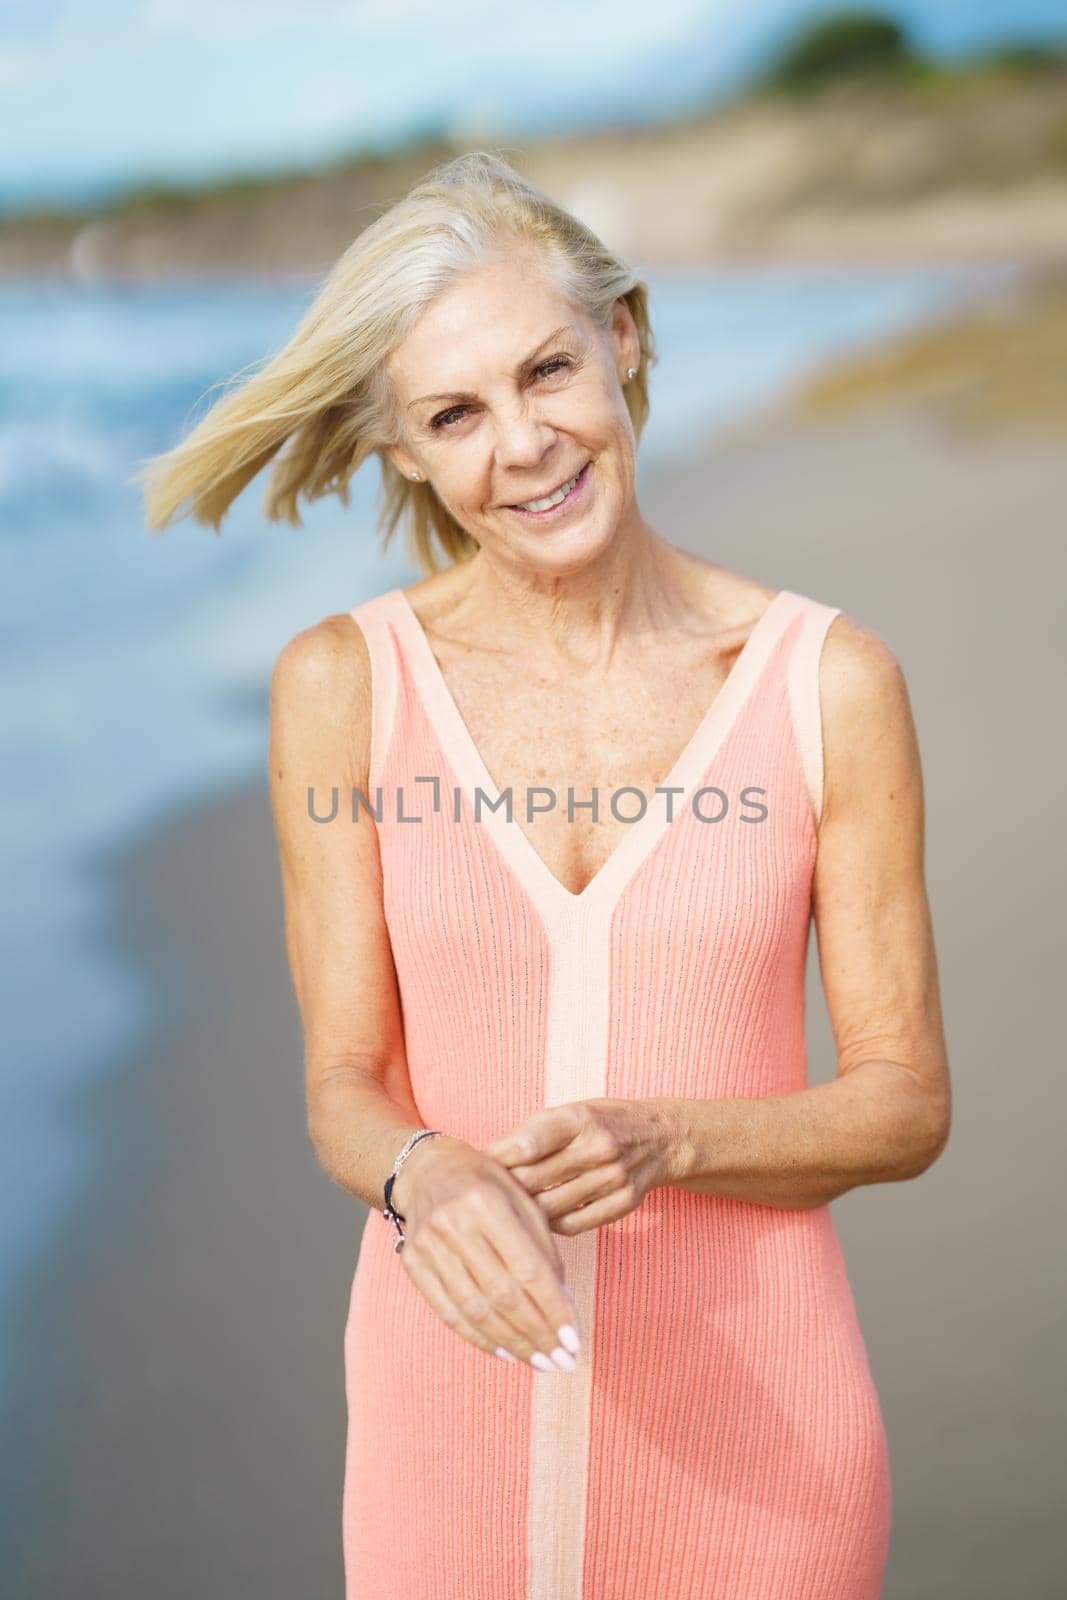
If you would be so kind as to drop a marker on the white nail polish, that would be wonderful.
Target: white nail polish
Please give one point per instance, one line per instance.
(569, 1338)
(542, 1363)
(563, 1359)
(505, 1355)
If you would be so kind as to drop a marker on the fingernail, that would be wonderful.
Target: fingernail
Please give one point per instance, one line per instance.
(564, 1360)
(505, 1355)
(568, 1337)
(542, 1363)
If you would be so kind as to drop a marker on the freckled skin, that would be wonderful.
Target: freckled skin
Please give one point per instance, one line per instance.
(523, 434)
(505, 389)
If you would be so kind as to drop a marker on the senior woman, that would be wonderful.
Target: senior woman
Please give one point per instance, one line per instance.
(601, 1343)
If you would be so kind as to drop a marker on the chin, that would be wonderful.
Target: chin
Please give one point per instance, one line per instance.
(574, 548)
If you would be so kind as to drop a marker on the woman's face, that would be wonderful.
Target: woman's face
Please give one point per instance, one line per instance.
(506, 392)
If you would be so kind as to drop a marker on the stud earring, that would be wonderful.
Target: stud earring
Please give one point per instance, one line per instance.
(631, 372)
(417, 476)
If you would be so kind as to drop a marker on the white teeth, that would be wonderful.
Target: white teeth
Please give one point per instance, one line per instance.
(552, 499)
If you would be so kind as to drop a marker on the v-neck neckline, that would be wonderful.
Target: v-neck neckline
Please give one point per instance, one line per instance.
(641, 836)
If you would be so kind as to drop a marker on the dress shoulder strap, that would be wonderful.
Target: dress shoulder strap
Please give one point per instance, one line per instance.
(371, 617)
(804, 698)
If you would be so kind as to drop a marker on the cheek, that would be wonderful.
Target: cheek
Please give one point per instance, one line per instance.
(599, 421)
(461, 475)
(624, 445)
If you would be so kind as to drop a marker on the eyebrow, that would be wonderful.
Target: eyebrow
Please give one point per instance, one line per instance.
(466, 394)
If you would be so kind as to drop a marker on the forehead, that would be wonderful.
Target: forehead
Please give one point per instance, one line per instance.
(485, 323)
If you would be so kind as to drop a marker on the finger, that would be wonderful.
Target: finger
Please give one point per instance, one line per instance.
(598, 1184)
(510, 1229)
(543, 1133)
(421, 1267)
(529, 1215)
(526, 1249)
(504, 1289)
(442, 1274)
(559, 1168)
(426, 1274)
(541, 1231)
(596, 1214)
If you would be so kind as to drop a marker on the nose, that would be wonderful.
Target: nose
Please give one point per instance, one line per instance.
(523, 439)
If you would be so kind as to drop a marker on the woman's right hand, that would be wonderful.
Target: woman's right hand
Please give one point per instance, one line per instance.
(482, 1252)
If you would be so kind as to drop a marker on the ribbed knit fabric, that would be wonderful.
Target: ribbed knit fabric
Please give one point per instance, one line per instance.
(721, 1438)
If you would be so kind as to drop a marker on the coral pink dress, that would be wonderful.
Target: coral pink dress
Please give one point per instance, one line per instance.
(721, 1438)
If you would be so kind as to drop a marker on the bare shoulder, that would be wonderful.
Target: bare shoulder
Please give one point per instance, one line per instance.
(858, 672)
(320, 690)
(330, 654)
(868, 729)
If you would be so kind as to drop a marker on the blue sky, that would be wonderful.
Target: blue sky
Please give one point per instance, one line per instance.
(102, 93)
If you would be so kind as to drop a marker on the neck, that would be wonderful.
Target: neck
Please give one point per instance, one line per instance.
(639, 584)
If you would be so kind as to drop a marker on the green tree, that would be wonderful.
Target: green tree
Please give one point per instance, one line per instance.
(837, 45)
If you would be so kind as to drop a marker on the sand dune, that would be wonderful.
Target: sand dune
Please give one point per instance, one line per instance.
(971, 166)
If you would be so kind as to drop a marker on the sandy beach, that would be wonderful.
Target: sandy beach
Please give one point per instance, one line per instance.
(181, 1414)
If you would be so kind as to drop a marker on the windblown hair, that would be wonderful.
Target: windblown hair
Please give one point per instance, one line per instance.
(326, 391)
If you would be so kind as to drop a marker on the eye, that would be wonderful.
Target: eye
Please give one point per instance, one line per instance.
(550, 367)
(554, 364)
(441, 419)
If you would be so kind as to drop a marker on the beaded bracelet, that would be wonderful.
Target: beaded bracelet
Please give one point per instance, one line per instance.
(390, 1211)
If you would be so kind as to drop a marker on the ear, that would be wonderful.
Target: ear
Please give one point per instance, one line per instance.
(625, 336)
(404, 463)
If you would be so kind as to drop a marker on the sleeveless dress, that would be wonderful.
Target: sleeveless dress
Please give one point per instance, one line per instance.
(721, 1437)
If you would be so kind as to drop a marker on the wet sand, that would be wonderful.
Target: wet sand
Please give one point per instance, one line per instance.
(180, 1421)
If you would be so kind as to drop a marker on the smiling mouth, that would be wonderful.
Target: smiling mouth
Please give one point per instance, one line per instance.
(556, 497)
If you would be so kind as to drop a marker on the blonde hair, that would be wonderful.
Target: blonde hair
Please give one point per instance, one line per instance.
(326, 391)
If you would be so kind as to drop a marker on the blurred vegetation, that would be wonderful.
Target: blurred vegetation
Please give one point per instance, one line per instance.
(1025, 58)
(839, 47)
(839, 44)
(865, 49)
(995, 365)
(849, 134)
(165, 196)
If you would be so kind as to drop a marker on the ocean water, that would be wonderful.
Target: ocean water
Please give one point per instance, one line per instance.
(135, 667)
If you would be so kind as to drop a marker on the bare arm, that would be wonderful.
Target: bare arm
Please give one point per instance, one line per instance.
(476, 1245)
(886, 1115)
(360, 1107)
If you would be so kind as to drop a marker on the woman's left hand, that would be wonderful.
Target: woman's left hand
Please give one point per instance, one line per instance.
(591, 1161)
